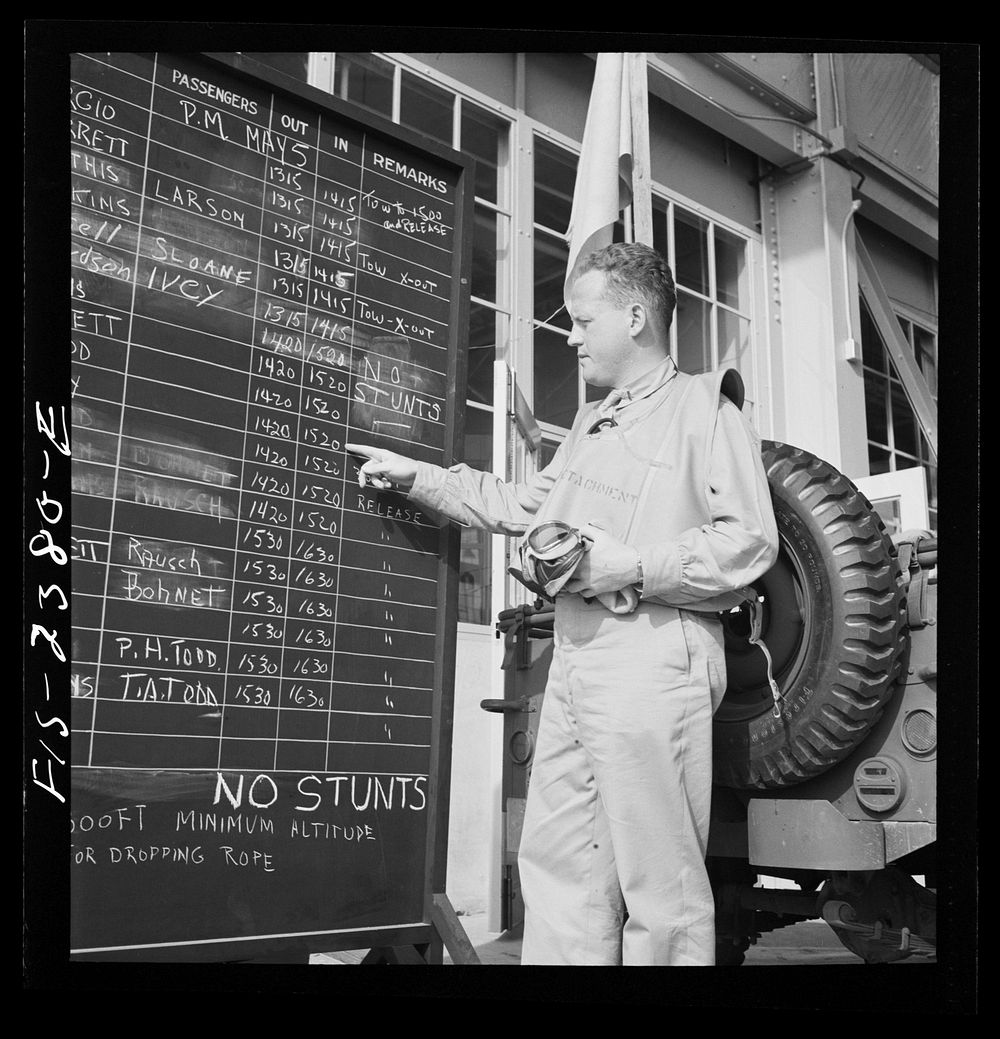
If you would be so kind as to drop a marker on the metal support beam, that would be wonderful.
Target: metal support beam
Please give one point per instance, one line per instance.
(899, 350)
(812, 309)
(685, 82)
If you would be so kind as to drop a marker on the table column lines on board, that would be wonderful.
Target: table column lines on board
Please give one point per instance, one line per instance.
(167, 324)
(385, 685)
(154, 412)
(262, 553)
(236, 256)
(389, 681)
(210, 219)
(228, 674)
(167, 204)
(273, 708)
(236, 707)
(234, 582)
(261, 739)
(214, 335)
(350, 653)
(208, 104)
(318, 447)
(344, 455)
(121, 419)
(291, 771)
(384, 202)
(222, 396)
(296, 474)
(277, 495)
(374, 273)
(354, 541)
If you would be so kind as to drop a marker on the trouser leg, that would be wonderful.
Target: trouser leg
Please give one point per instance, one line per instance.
(625, 754)
(649, 732)
(573, 908)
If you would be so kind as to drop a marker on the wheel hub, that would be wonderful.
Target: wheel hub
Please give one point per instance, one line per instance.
(785, 630)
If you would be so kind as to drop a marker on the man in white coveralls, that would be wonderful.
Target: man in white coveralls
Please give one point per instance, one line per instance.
(665, 482)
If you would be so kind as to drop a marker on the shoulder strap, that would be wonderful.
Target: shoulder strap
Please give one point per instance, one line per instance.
(708, 386)
(726, 382)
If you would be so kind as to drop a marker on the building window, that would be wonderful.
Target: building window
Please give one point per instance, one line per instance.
(710, 263)
(485, 137)
(365, 80)
(923, 343)
(558, 389)
(427, 108)
(895, 440)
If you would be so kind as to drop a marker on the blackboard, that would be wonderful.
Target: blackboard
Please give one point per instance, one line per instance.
(263, 652)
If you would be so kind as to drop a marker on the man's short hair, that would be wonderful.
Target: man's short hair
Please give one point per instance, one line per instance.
(635, 271)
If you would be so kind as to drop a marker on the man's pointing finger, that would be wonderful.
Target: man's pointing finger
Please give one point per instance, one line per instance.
(362, 449)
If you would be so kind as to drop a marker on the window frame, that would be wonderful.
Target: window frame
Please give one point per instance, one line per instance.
(892, 379)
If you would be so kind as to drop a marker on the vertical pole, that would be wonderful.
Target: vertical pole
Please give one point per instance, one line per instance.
(642, 197)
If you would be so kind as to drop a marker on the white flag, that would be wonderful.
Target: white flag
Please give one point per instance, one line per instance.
(604, 176)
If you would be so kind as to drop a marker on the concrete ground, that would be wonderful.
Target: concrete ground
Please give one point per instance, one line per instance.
(808, 943)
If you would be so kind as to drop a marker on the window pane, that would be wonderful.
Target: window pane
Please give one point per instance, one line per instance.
(925, 449)
(551, 256)
(904, 422)
(926, 351)
(878, 460)
(365, 80)
(888, 510)
(660, 228)
(875, 409)
(694, 334)
(486, 329)
(730, 269)
(294, 63)
(427, 108)
(556, 394)
(487, 248)
(872, 351)
(546, 452)
(483, 137)
(474, 564)
(555, 176)
(734, 343)
(477, 446)
(691, 245)
(932, 489)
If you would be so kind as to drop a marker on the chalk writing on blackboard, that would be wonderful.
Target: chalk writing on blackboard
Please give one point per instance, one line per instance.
(255, 279)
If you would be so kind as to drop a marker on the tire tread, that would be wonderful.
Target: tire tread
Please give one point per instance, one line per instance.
(865, 656)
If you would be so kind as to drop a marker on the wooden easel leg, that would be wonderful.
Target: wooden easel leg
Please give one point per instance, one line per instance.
(433, 951)
(395, 954)
(449, 933)
(446, 923)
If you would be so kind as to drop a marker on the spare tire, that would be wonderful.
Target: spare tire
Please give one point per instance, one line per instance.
(833, 621)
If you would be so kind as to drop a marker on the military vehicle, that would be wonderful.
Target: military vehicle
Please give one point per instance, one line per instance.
(825, 744)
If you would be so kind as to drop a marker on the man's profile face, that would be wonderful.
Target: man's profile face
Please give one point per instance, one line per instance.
(600, 335)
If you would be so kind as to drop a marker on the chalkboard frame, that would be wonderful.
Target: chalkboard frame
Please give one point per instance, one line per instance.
(423, 940)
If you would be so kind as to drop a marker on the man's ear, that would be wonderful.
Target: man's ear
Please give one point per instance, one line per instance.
(637, 319)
